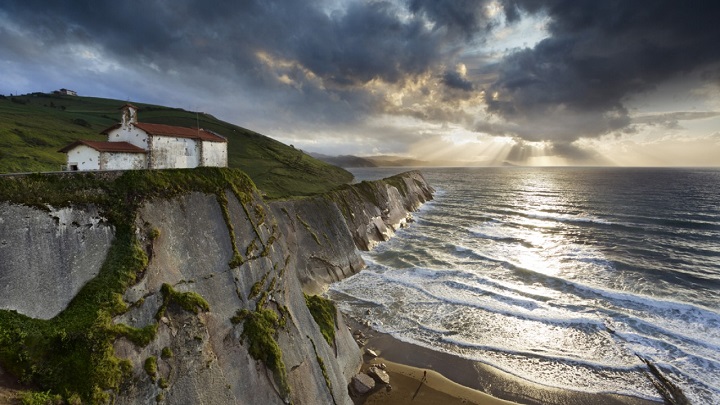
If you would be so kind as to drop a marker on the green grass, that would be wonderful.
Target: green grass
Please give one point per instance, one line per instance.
(35, 126)
(40, 398)
(139, 336)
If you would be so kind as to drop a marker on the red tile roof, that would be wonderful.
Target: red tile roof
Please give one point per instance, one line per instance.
(180, 132)
(106, 147)
(171, 130)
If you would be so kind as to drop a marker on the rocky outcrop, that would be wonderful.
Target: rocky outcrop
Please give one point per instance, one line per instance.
(249, 263)
(375, 210)
(379, 375)
(361, 384)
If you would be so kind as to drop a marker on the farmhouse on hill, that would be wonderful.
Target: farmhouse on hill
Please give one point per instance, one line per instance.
(66, 92)
(134, 145)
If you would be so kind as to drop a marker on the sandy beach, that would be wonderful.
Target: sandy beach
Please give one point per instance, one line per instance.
(452, 380)
(412, 385)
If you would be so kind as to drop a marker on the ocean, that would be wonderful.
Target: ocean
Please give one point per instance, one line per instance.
(560, 276)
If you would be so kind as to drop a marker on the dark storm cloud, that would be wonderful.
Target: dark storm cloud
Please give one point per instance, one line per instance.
(296, 65)
(458, 17)
(217, 42)
(597, 54)
(672, 120)
(368, 42)
(456, 81)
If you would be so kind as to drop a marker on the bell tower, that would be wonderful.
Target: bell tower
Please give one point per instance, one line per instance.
(129, 115)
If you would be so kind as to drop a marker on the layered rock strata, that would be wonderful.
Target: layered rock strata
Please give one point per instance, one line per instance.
(248, 259)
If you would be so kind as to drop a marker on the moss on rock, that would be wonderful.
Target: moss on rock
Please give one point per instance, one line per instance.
(189, 301)
(323, 311)
(72, 353)
(259, 330)
(150, 367)
(167, 353)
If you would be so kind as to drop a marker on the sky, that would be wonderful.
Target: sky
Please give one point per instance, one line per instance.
(465, 82)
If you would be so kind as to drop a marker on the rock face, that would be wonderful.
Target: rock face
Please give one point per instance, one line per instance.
(319, 241)
(375, 210)
(247, 255)
(47, 256)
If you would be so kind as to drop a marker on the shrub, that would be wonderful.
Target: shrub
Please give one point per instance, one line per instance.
(40, 398)
(189, 301)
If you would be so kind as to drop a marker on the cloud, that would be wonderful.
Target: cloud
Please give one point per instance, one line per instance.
(320, 60)
(672, 120)
(555, 124)
(466, 18)
(330, 71)
(456, 80)
(597, 54)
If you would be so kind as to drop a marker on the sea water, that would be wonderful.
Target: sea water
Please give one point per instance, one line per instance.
(561, 276)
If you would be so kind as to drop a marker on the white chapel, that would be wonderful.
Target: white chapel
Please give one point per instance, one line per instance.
(134, 145)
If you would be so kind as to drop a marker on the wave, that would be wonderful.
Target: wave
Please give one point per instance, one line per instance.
(438, 288)
(648, 346)
(649, 330)
(599, 365)
(565, 217)
(610, 294)
(441, 291)
(625, 260)
(598, 380)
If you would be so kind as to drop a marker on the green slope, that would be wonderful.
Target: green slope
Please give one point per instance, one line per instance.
(34, 126)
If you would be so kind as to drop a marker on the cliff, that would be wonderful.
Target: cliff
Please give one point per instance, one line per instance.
(184, 286)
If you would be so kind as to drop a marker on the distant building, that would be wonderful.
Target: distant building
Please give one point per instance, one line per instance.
(134, 145)
(66, 92)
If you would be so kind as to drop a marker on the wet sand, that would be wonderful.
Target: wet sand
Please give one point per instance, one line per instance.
(452, 380)
(411, 385)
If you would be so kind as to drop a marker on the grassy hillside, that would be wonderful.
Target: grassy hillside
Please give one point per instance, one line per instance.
(33, 127)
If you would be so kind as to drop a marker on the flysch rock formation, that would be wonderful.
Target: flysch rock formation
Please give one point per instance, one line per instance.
(287, 248)
(47, 256)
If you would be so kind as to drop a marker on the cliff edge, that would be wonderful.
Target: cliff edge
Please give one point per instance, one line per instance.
(184, 286)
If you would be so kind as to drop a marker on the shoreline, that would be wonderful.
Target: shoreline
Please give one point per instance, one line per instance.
(464, 381)
(416, 386)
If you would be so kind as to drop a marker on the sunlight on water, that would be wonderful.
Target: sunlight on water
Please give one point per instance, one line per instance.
(559, 276)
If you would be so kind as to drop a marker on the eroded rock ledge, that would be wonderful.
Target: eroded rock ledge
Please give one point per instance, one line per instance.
(221, 294)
